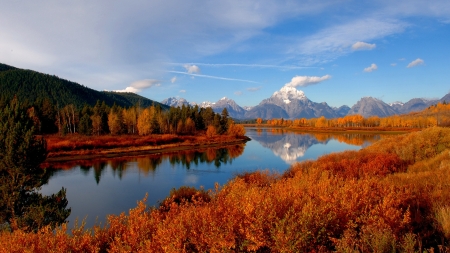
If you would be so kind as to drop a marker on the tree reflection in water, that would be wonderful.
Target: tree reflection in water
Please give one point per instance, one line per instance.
(148, 164)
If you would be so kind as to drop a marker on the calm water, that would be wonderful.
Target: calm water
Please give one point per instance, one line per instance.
(96, 188)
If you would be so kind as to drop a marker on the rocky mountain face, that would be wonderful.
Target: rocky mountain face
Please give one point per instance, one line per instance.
(415, 105)
(342, 111)
(234, 110)
(292, 104)
(369, 106)
(446, 99)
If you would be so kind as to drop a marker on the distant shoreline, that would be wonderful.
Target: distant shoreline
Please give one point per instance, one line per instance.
(179, 144)
(384, 130)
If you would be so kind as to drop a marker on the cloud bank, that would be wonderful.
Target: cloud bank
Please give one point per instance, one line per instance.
(304, 81)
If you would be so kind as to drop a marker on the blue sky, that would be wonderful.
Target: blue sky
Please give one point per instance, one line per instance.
(334, 51)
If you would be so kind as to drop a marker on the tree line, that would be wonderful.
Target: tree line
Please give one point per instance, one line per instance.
(435, 115)
(102, 119)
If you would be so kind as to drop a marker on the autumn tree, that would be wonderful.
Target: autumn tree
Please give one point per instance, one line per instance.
(115, 120)
(236, 130)
(144, 122)
(210, 131)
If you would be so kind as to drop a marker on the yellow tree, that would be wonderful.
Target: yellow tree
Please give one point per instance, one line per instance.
(130, 119)
(144, 122)
(259, 121)
(236, 130)
(321, 122)
(189, 126)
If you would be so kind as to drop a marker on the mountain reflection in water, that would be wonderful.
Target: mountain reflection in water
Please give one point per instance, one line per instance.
(290, 146)
(98, 187)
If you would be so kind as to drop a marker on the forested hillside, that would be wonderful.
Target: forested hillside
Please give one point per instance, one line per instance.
(32, 88)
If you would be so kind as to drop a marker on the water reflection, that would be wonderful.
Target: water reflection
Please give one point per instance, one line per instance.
(99, 187)
(290, 146)
(148, 164)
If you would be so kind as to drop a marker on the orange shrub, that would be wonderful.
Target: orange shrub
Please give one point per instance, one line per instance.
(363, 201)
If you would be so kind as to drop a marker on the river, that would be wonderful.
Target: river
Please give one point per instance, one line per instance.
(96, 188)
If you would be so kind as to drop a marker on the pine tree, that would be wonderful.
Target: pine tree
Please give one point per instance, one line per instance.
(21, 153)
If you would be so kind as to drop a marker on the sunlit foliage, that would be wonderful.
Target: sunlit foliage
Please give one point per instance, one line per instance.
(392, 196)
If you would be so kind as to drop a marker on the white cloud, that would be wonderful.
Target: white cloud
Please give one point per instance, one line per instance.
(182, 91)
(173, 79)
(304, 81)
(192, 69)
(335, 41)
(416, 62)
(393, 64)
(371, 68)
(363, 46)
(238, 93)
(140, 85)
(253, 89)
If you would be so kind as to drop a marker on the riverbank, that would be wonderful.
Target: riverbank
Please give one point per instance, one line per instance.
(76, 147)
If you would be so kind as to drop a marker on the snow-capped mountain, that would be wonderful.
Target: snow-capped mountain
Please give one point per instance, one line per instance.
(175, 102)
(287, 94)
(234, 110)
(205, 104)
(290, 103)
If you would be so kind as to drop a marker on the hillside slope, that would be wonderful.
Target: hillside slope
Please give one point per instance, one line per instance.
(33, 87)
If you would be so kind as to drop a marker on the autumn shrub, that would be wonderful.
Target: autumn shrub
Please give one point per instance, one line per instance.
(258, 178)
(185, 195)
(354, 201)
(354, 164)
(236, 130)
(443, 220)
(417, 146)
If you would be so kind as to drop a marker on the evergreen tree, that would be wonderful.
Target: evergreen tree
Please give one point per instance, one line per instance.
(21, 153)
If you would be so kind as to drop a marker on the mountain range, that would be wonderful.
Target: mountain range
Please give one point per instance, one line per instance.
(290, 103)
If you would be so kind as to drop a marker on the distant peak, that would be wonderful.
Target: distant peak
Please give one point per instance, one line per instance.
(287, 93)
(224, 98)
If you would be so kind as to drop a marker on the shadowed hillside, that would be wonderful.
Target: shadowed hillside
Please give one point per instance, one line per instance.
(33, 87)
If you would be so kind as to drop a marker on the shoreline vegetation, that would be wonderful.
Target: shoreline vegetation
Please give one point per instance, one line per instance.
(390, 196)
(306, 129)
(76, 147)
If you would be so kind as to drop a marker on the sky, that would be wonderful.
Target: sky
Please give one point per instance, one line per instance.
(334, 51)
